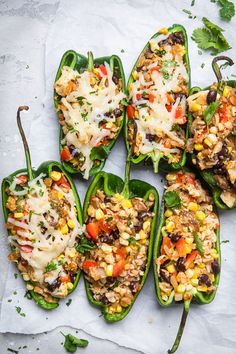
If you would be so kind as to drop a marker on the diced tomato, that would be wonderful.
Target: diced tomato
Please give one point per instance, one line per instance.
(121, 252)
(65, 278)
(190, 258)
(180, 247)
(130, 111)
(223, 112)
(170, 98)
(138, 96)
(22, 180)
(103, 69)
(151, 97)
(26, 249)
(155, 68)
(169, 107)
(185, 178)
(93, 230)
(26, 212)
(66, 155)
(89, 264)
(118, 268)
(104, 226)
(166, 242)
(178, 112)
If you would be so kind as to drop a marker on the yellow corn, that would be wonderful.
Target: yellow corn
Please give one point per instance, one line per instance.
(146, 226)
(153, 46)
(18, 215)
(142, 235)
(200, 215)
(202, 288)
(118, 308)
(189, 240)
(194, 282)
(201, 265)
(181, 288)
(193, 206)
(99, 214)
(60, 195)
(130, 86)
(188, 249)
(147, 118)
(135, 75)
(109, 125)
(92, 80)
(118, 197)
(212, 278)
(56, 176)
(226, 91)
(109, 270)
(168, 213)
(207, 142)
(95, 70)
(127, 266)
(71, 224)
(29, 287)
(163, 30)
(64, 229)
(61, 257)
(171, 177)
(196, 107)
(170, 268)
(214, 253)
(126, 203)
(143, 241)
(70, 286)
(198, 147)
(170, 227)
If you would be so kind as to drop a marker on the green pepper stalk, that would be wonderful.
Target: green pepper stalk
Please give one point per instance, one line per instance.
(80, 63)
(199, 297)
(111, 185)
(161, 160)
(208, 175)
(47, 168)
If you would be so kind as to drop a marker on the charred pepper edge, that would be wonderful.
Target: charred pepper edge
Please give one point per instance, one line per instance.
(112, 184)
(79, 62)
(162, 161)
(207, 175)
(198, 297)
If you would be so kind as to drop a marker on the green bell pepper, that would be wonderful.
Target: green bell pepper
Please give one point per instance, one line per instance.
(198, 297)
(208, 174)
(47, 168)
(162, 160)
(111, 185)
(80, 63)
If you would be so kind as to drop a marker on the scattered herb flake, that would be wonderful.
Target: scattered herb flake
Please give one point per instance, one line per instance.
(122, 50)
(225, 241)
(227, 10)
(12, 350)
(15, 275)
(69, 302)
(202, 65)
(18, 310)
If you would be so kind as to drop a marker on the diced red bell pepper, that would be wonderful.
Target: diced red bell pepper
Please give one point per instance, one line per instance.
(26, 249)
(190, 258)
(180, 247)
(138, 96)
(89, 264)
(65, 154)
(223, 113)
(103, 69)
(151, 97)
(93, 230)
(121, 252)
(166, 242)
(63, 182)
(130, 111)
(178, 112)
(169, 107)
(155, 68)
(118, 268)
(104, 226)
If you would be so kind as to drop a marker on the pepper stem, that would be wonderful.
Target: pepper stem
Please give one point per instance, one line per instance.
(181, 326)
(26, 147)
(90, 61)
(125, 191)
(217, 71)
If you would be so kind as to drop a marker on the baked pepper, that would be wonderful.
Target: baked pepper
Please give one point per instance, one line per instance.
(187, 247)
(43, 216)
(88, 96)
(156, 114)
(120, 220)
(212, 114)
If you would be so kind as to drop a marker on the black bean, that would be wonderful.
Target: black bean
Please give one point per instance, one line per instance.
(117, 112)
(134, 286)
(151, 137)
(43, 229)
(204, 279)
(116, 235)
(138, 227)
(174, 237)
(110, 280)
(215, 267)
(176, 38)
(115, 79)
(105, 300)
(54, 285)
(164, 264)
(180, 264)
(96, 65)
(179, 95)
(163, 42)
(223, 152)
(144, 215)
(165, 276)
(106, 239)
(89, 220)
(139, 68)
(211, 96)
(143, 267)
(107, 198)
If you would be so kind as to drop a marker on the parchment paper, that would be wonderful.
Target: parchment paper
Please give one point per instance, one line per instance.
(106, 27)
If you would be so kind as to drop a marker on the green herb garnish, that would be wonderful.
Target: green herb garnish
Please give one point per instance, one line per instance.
(227, 10)
(69, 302)
(198, 243)
(210, 111)
(18, 310)
(85, 245)
(72, 343)
(172, 199)
(51, 266)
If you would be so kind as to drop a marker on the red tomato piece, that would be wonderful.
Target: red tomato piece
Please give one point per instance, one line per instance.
(138, 96)
(121, 252)
(178, 112)
(104, 226)
(130, 111)
(190, 258)
(65, 154)
(155, 68)
(65, 278)
(118, 268)
(103, 69)
(151, 97)
(180, 247)
(169, 107)
(93, 230)
(88, 264)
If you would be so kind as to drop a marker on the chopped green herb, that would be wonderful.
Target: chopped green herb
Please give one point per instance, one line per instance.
(160, 53)
(210, 111)
(122, 50)
(175, 127)
(224, 66)
(10, 300)
(193, 3)
(189, 13)
(165, 73)
(84, 116)
(227, 10)
(51, 266)
(198, 243)
(12, 350)
(172, 199)
(85, 245)
(41, 192)
(202, 65)
(18, 310)
(72, 343)
(109, 219)
(15, 275)
(69, 302)
(30, 215)
(129, 219)
(28, 295)
(225, 241)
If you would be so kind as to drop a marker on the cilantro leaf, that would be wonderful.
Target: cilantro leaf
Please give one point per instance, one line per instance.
(227, 10)
(51, 266)
(72, 343)
(198, 243)
(210, 111)
(212, 26)
(202, 37)
(172, 199)
(99, 153)
(85, 245)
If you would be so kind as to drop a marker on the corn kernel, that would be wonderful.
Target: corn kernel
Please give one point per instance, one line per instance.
(70, 286)
(189, 240)
(136, 114)
(207, 142)
(18, 215)
(71, 224)
(64, 229)
(170, 268)
(202, 288)
(201, 265)
(142, 235)
(26, 277)
(126, 203)
(200, 215)
(214, 253)
(146, 226)
(226, 91)
(171, 177)
(213, 130)
(198, 147)
(143, 242)
(193, 206)
(109, 270)
(135, 75)
(194, 282)
(92, 80)
(212, 278)
(130, 86)
(168, 213)
(95, 70)
(196, 107)
(55, 176)
(61, 257)
(109, 125)
(181, 288)
(118, 197)
(163, 30)
(13, 232)
(29, 287)
(170, 227)
(99, 214)
(60, 195)
(188, 249)
(127, 266)
(118, 308)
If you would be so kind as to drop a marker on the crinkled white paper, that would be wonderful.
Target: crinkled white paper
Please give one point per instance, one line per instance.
(121, 27)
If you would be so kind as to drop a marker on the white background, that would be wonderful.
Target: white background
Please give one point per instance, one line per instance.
(33, 36)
